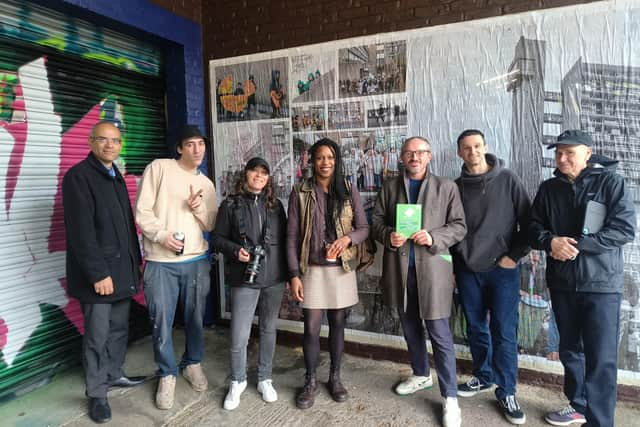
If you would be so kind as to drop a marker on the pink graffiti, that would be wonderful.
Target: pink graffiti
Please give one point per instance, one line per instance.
(3, 333)
(73, 149)
(70, 147)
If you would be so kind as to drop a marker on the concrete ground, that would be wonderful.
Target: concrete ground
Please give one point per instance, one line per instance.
(370, 383)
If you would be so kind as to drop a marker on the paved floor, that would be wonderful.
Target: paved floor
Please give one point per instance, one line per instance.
(370, 383)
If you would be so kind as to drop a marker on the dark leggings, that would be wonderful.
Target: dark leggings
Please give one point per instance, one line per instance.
(311, 344)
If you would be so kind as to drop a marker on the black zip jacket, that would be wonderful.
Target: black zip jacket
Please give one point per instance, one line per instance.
(227, 239)
(558, 210)
(496, 207)
(100, 233)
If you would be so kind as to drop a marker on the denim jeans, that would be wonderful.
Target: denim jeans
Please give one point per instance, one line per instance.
(589, 324)
(493, 343)
(553, 336)
(243, 307)
(441, 337)
(165, 285)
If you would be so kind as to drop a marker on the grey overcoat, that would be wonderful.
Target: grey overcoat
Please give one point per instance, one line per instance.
(443, 217)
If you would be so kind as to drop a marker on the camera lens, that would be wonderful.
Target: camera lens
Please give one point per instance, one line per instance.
(253, 266)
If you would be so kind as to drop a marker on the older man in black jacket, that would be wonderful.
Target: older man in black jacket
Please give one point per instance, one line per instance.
(582, 217)
(103, 261)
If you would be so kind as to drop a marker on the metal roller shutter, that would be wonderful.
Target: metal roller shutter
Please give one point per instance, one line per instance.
(58, 77)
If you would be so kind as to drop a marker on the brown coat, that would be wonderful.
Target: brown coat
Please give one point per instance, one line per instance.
(443, 217)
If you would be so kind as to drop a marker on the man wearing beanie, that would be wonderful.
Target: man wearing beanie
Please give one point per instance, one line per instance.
(176, 204)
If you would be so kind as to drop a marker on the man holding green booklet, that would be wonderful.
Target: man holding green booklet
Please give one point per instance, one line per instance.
(418, 216)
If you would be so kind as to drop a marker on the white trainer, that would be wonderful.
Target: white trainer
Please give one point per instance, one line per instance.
(451, 413)
(414, 383)
(269, 394)
(232, 400)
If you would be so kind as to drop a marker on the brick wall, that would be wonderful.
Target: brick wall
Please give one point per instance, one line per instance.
(190, 9)
(238, 27)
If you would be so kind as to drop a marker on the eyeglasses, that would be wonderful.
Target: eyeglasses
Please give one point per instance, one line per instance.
(104, 140)
(418, 153)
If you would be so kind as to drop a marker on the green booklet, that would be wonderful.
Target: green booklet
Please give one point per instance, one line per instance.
(408, 219)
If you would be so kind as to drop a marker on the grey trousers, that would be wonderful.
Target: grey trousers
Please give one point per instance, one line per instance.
(243, 306)
(104, 345)
(414, 329)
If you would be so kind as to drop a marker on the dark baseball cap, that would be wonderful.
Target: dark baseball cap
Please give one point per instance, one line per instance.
(572, 137)
(255, 162)
(189, 131)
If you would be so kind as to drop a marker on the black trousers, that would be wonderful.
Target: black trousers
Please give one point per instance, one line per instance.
(589, 324)
(106, 330)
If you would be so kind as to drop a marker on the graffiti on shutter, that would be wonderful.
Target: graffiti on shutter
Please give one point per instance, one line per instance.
(34, 24)
(49, 100)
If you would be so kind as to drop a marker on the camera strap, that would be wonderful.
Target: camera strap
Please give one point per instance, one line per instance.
(265, 229)
(242, 224)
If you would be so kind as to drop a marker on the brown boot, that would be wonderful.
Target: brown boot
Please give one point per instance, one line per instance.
(336, 389)
(306, 398)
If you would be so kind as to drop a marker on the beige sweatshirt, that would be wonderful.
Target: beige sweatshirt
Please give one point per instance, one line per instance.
(162, 208)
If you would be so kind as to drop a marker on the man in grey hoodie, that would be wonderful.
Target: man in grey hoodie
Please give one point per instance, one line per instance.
(496, 206)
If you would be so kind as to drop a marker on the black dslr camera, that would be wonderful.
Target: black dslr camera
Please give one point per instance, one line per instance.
(255, 262)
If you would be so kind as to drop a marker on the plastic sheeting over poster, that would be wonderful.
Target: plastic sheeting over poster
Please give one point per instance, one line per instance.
(521, 79)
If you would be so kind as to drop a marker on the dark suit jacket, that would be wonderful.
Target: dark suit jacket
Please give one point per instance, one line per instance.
(100, 233)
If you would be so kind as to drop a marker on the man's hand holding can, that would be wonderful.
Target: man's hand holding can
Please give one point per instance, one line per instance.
(175, 242)
(179, 236)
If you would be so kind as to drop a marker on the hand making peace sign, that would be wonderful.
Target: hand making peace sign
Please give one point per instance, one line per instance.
(195, 199)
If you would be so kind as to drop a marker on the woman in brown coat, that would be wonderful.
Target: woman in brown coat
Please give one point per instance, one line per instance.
(326, 223)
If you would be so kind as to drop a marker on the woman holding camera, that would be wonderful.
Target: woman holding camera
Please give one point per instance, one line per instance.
(250, 233)
(326, 222)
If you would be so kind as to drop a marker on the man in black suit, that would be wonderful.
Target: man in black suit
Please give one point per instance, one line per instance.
(103, 263)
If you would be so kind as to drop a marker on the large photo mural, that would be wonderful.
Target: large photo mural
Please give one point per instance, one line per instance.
(521, 79)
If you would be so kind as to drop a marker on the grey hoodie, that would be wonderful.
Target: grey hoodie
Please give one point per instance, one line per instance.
(496, 206)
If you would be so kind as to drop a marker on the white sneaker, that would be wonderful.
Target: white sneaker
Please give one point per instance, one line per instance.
(414, 383)
(269, 394)
(451, 413)
(232, 400)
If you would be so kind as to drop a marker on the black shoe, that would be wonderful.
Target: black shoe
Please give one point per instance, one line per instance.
(472, 387)
(127, 382)
(511, 410)
(99, 410)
